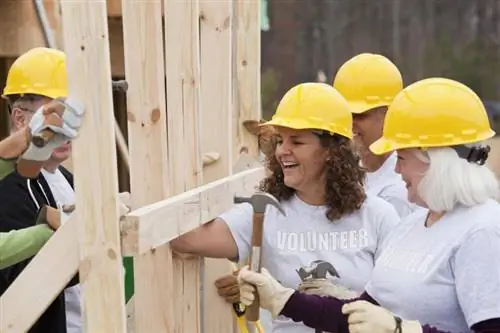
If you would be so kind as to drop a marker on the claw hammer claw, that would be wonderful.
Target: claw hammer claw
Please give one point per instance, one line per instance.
(259, 202)
(318, 269)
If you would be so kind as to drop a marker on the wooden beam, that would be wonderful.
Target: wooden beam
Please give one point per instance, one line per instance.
(117, 48)
(182, 60)
(153, 309)
(216, 84)
(216, 87)
(115, 8)
(20, 28)
(247, 72)
(86, 40)
(154, 225)
(41, 281)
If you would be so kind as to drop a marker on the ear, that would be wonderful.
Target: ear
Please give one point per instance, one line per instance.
(252, 126)
(18, 118)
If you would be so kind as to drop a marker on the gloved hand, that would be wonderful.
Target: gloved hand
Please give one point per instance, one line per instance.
(67, 209)
(364, 317)
(273, 296)
(50, 216)
(325, 287)
(123, 209)
(228, 287)
(62, 116)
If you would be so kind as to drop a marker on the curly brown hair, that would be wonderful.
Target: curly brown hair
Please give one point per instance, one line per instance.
(344, 192)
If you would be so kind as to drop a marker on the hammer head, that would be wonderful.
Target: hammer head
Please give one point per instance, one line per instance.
(120, 85)
(259, 201)
(318, 269)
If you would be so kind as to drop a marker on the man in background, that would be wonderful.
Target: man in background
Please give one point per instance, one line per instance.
(370, 82)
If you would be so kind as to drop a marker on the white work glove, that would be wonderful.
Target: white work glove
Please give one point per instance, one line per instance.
(272, 295)
(71, 122)
(364, 317)
(123, 209)
(325, 287)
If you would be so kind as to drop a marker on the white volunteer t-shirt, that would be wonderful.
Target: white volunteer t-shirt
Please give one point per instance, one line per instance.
(388, 184)
(63, 194)
(447, 275)
(306, 235)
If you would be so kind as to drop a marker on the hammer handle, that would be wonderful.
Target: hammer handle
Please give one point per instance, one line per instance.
(252, 311)
(40, 140)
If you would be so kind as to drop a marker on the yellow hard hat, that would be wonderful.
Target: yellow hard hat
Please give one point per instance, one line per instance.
(434, 112)
(40, 71)
(368, 81)
(314, 105)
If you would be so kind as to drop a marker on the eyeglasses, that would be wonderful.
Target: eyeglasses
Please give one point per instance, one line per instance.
(25, 109)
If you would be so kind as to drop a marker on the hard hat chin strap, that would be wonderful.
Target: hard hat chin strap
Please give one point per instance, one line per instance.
(474, 154)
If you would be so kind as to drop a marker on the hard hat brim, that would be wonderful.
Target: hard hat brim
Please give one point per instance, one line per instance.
(296, 124)
(383, 146)
(299, 124)
(362, 107)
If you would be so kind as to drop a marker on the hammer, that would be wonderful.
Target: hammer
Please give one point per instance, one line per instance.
(318, 269)
(259, 201)
(40, 140)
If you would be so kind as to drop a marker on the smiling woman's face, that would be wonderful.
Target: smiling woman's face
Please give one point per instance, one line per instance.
(412, 169)
(302, 158)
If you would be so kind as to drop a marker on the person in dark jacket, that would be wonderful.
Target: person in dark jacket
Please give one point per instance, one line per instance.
(18, 150)
(20, 201)
(36, 79)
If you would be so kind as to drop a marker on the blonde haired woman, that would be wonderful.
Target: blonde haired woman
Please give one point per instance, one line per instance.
(439, 270)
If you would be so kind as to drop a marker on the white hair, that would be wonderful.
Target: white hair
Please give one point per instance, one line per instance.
(451, 180)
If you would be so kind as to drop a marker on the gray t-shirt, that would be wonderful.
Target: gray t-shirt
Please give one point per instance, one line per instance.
(447, 275)
(306, 235)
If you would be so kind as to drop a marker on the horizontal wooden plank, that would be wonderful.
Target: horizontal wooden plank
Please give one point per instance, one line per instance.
(154, 225)
(115, 8)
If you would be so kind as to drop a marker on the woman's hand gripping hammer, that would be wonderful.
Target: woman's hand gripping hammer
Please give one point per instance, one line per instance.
(259, 202)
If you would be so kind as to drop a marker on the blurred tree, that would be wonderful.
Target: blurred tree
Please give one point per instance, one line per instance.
(270, 79)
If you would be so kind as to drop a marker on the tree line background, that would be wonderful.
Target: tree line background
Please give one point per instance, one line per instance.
(309, 40)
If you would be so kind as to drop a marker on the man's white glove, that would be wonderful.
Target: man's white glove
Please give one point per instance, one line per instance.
(364, 317)
(272, 295)
(123, 209)
(325, 287)
(70, 122)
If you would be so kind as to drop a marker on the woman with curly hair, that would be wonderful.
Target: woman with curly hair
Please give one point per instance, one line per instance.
(316, 176)
(439, 269)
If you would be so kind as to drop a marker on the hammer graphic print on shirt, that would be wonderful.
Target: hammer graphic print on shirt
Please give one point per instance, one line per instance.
(305, 235)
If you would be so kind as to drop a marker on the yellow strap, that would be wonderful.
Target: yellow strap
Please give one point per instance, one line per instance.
(234, 266)
(242, 325)
(259, 327)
